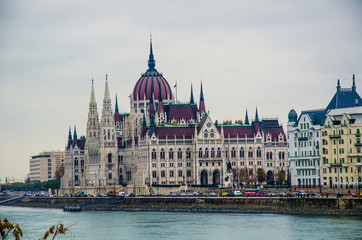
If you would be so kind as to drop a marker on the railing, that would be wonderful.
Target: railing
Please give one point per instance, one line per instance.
(358, 144)
(303, 138)
(336, 164)
(335, 136)
(358, 134)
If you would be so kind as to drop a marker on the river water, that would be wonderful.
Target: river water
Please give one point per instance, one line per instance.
(163, 225)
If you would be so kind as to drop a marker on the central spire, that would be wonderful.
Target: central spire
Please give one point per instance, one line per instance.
(151, 60)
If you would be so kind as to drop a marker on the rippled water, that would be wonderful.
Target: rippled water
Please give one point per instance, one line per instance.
(163, 225)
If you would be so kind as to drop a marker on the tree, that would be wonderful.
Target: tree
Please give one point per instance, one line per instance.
(245, 174)
(260, 175)
(59, 173)
(7, 227)
(280, 175)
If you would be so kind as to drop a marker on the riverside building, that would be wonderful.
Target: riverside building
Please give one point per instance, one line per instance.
(304, 138)
(44, 165)
(162, 142)
(341, 148)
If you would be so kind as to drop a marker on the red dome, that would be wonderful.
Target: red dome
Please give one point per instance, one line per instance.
(143, 86)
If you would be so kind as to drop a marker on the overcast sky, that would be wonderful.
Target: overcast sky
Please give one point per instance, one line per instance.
(274, 55)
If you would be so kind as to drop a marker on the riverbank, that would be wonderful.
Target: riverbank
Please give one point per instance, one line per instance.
(276, 205)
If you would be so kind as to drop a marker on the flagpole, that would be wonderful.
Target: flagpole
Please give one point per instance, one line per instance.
(176, 91)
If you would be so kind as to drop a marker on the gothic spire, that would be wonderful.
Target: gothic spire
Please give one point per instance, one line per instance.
(192, 96)
(106, 90)
(246, 117)
(256, 116)
(202, 108)
(116, 108)
(93, 96)
(338, 86)
(69, 138)
(75, 142)
(353, 84)
(151, 60)
(144, 123)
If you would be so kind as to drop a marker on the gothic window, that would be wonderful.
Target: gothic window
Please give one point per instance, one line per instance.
(241, 152)
(153, 153)
(250, 152)
(206, 134)
(170, 154)
(76, 162)
(189, 173)
(200, 152)
(206, 153)
(109, 175)
(212, 152)
(82, 163)
(180, 173)
(163, 173)
(171, 173)
(109, 134)
(162, 154)
(258, 152)
(218, 152)
(233, 153)
(280, 155)
(110, 157)
(105, 134)
(154, 174)
(119, 159)
(188, 153)
(212, 133)
(179, 153)
(270, 155)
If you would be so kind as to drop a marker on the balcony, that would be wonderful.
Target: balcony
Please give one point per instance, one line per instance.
(303, 139)
(336, 164)
(334, 136)
(358, 134)
(358, 144)
(355, 155)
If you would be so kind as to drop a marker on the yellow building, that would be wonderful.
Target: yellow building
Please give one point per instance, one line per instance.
(341, 148)
(44, 165)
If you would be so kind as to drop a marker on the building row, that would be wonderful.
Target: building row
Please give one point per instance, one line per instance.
(324, 145)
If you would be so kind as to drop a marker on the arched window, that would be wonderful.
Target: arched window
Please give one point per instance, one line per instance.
(206, 153)
(109, 134)
(200, 152)
(250, 152)
(283, 155)
(110, 157)
(258, 152)
(179, 153)
(233, 153)
(170, 154)
(76, 162)
(162, 154)
(280, 155)
(218, 153)
(241, 152)
(109, 175)
(212, 133)
(119, 159)
(188, 153)
(206, 134)
(212, 152)
(153, 154)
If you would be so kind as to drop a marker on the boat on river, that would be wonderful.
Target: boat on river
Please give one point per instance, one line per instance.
(75, 208)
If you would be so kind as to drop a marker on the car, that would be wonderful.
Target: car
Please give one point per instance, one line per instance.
(302, 193)
(212, 194)
(237, 193)
(132, 195)
(173, 195)
(224, 194)
(350, 194)
(183, 194)
(121, 194)
(195, 194)
(202, 194)
(282, 194)
(271, 194)
(339, 194)
(314, 194)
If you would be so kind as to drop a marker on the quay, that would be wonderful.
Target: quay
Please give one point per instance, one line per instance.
(278, 205)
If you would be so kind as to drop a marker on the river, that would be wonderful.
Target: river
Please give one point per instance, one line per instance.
(166, 225)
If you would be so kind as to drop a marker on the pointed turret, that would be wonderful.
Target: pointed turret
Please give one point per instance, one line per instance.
(202, 109)
(353, 84)
(151, 106)
(106, 90)
(144, 123)
(338, 86)
(160, 104)
(192, 97)
(246, 117)
(256, 116)
(93, 96)
(75, 142)
(116, 108)
(69, 138)
(151, 60)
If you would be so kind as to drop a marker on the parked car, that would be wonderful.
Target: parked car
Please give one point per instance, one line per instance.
(302, 193)
(212, 194)
(282, 194)
(202, 194)
(339, 194)
(237, 193)
(314, 194)
(271, 194)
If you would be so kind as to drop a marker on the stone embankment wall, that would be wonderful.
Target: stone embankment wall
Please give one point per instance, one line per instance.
(328, 206)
